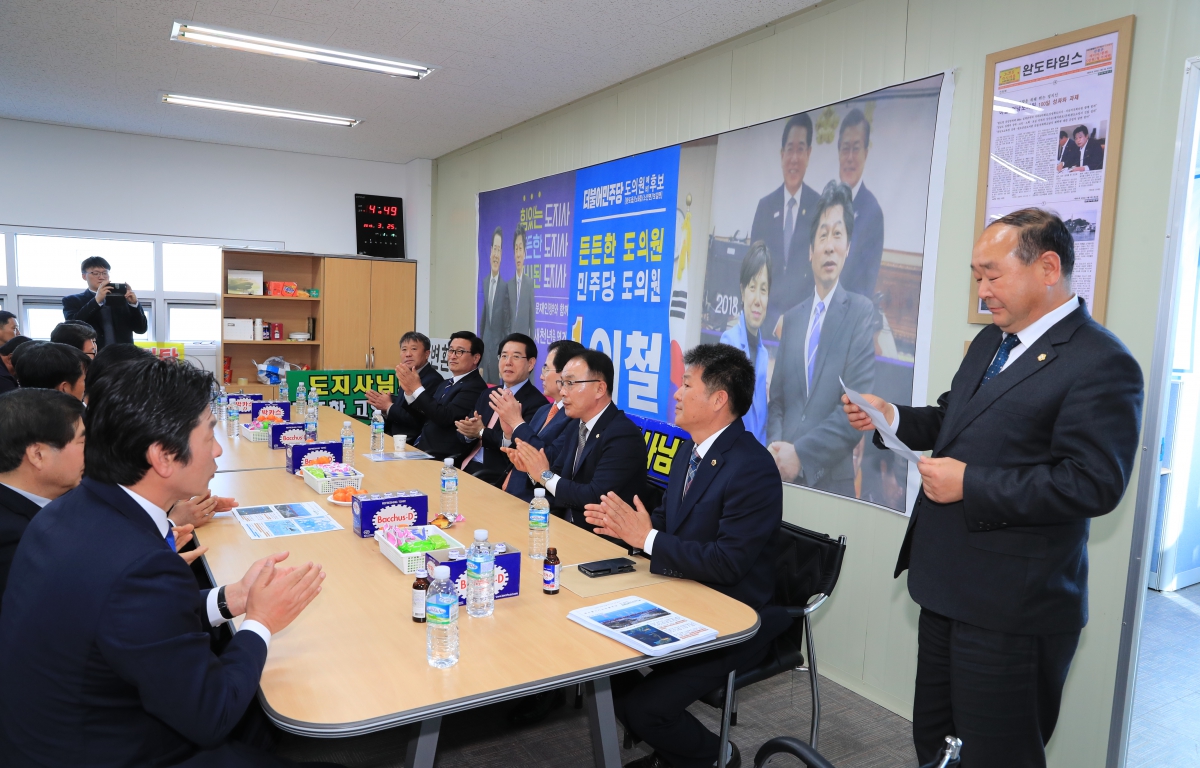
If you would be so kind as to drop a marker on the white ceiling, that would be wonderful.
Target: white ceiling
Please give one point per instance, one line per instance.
(105, 63)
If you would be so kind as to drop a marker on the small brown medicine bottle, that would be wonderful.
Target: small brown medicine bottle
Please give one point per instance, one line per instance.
(550, 568)
(420, 585)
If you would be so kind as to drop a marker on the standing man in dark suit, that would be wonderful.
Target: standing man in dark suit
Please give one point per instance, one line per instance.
(782, 221)
(41, 458)
(115, 317)
(106, 659)
(826, 338)
(496, 317)
(866, 249)
(599, 451)
(452, 400)
(481, 431)
(1088, 155)
(520, 289)
(399, 418)
(543, 430)
(722, 507)
(1037, 435)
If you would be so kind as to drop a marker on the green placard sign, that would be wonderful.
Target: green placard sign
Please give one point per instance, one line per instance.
(344, 390)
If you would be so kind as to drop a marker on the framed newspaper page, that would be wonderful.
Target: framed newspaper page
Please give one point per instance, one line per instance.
(1053, 118)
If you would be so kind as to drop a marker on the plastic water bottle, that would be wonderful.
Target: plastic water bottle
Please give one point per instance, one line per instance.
(449, 490)
(283, 389)
(314, 403)
(310, 426)
(301, 403)
(231, 420)
(376, 432)
(222, 398)
(539, 524)
(347, 444)
(441, 620)
(481, 577)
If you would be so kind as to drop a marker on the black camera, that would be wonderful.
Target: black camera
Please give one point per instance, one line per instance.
(118, 289)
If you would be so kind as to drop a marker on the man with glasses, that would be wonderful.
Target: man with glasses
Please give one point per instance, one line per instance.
(599, 451)
(449, 402)
(782, 221)
(399, 418)
(116, 317)
(866, 249)
(78, 334)
(482, 430)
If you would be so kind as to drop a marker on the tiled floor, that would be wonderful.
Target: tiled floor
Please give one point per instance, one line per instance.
(1165, 730)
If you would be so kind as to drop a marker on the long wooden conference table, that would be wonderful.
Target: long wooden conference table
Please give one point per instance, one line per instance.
(354, 660)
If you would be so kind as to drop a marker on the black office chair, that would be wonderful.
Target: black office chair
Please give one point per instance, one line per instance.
(807, 566)
(489, 476)
(786, 745)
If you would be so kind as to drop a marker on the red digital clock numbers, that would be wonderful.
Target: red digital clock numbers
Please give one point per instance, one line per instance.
(384, 210)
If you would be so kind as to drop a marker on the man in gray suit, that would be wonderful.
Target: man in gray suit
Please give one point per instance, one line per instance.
(520, 289)
(495, 317)
(827, 336)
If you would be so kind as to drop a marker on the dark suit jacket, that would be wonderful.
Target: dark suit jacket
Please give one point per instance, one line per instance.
(494, 459)
(791, 280)
(494, 323)
(126, 320)
(535, 434)
(15, 513)
(1093, 155)
(441, 407)
(814, 421)
(522, 307)
(8, 382)
(402, 419)
(1048, 443)
(614, 459)
(718, 534)
(1069, 155)
(106, 659)
(861, 270)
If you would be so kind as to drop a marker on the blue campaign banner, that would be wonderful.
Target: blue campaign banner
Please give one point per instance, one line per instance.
(624, 239)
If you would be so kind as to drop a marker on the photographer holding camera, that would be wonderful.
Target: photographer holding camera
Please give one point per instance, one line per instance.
(111, 308)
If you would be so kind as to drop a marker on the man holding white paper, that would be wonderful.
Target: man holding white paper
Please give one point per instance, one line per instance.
(1036, 436)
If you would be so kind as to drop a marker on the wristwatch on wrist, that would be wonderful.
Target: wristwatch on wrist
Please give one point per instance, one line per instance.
(547, 476)
(222, 606)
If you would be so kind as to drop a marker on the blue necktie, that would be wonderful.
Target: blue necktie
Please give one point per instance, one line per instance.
(814, 341)
(171, 539)
(1006, 346)
(691, 473)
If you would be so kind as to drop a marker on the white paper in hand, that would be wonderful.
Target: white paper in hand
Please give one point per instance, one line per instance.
(880, 423)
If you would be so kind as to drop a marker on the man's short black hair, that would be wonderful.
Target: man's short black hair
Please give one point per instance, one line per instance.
(5, 316)
(94, 261)
(520, 338)
(1080, 129)
(74, 333)
(29, 416)
(598, 364)
(153, 401)
(1039, 231)
(46, 364)
(836, 193)
(498, 232)
(756, 258)
(476, 342)
(564, 350)
(415, 336)
(855, 117)
(1063, 135)
(519, 234)
(111, 357)
(10, 346)
(801, 120)
(725, 368)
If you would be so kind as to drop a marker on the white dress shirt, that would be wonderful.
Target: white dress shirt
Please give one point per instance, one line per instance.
(478, 456)
(39, 500)
(701, 449)
(159, 516)
(453, 380)
(1027, 338)
(591, 424)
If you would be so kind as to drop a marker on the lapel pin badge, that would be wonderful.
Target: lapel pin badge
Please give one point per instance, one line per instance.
(714, 462)
(1041, 357)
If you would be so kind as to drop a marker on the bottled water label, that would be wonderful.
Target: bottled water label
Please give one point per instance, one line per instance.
(550, 576)
(539, 518)
(479, 568)
(450, 484)
(441, 609)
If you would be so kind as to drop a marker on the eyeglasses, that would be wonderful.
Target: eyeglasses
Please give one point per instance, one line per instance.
(456, 351)
(506, 357)
(568, 383)
(98, 273)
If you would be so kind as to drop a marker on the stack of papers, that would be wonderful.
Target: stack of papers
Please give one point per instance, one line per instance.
(643, 626)
(275, 520)
(881, 425)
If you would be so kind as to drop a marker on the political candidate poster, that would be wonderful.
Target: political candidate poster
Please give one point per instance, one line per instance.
(808, 242)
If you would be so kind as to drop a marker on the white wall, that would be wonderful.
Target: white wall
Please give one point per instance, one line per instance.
(76, 178)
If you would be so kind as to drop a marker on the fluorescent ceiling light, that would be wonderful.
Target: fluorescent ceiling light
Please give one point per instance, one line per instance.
(253, 109)
(203, 34)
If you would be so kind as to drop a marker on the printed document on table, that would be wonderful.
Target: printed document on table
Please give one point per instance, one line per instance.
(643, 626)
(880, 423)
(270, 521)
